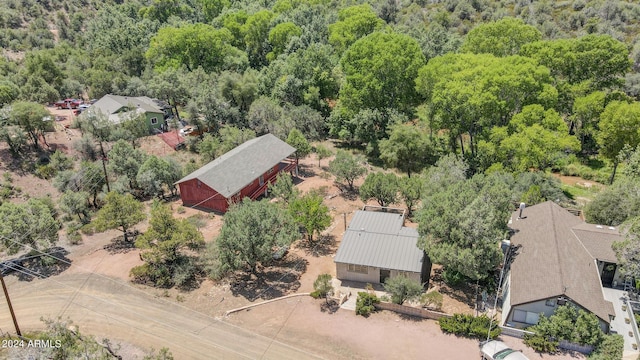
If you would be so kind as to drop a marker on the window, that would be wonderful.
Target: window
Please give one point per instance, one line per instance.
(154, 120)
(526, 317)
(550, 302)
(358, 268)
(198, 183)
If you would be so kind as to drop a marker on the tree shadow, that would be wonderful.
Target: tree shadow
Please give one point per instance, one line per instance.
(461, 292)
(324, 245)
(119, 246)
(306, 170)
(347, 193)
(329, 307)
(279, 279)
(415, 319)
(42, 264)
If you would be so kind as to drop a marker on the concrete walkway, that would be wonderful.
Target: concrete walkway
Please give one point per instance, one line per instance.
(618, 325)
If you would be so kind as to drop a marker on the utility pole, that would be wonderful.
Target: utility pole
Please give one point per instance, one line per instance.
(13, 315)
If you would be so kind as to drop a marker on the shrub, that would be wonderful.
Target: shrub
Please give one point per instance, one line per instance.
(452, 277)
(432, 300)
(541, 343)
(315, 294)
(365, 302)
(322, 285)
(181, 210)
(45, 171)
(470, 326)
(402, 289)
(611, 348)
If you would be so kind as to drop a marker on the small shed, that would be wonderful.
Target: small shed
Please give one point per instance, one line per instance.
(245, 171)
(377, 246)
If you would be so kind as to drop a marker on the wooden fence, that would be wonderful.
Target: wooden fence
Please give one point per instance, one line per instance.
(411, 311)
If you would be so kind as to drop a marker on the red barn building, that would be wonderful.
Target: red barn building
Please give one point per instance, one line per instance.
(245, 171)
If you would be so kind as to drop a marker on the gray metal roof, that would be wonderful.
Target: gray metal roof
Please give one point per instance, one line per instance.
(237, 168)
(378, 239)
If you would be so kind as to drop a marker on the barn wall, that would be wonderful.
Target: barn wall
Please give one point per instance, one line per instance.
(193, 192)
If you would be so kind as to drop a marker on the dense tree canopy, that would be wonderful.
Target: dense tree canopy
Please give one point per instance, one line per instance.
(501, 38)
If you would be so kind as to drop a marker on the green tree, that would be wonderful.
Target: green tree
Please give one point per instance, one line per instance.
(586, 115)
(125, 160)
(119, 212)
(346, 167)
(157, 174)
(251, 233)
(75, 203)
(408, 149)
(379, 71)
(380, 186)
(322, 152)
(208, 147)
(256, 37)
(212, 8)
(280, 36)
(310, 213)
(29, 117)
(31, 225)
(402, 289)
(611, 348)
(500, 38)
(300, 143)
(284, 189)
(192, 46)
(410, 192)
(163, 248)
(353, 23)
(461, 222)
(628, 250)
(619, 127)
(322, 286)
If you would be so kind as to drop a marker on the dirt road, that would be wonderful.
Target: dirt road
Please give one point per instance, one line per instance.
(107, 307)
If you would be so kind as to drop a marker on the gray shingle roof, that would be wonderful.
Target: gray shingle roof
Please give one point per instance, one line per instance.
(553, 262)
(237, 168)
(378, 239)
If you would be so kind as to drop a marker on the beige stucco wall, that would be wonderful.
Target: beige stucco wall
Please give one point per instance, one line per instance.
(372, 276)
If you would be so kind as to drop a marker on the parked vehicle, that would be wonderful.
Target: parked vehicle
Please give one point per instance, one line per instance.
(68, 104)
(497, 350)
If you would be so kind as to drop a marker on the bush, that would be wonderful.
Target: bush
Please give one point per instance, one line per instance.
(315, 294)
(365, 302)
(452, 277)
(432, 300)
(541, 343)
(45, 171)
(470, 326)
(322, 285)
(611, 348)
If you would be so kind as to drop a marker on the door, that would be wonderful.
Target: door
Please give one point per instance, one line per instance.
(261, 180)
(608, 272)
(384, 275)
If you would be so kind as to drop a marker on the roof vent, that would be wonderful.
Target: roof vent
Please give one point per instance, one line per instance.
(361, 229)
(522, 206)
(611, 228)
(599, 227)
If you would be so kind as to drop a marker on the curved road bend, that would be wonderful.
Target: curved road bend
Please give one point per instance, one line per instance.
(109, 308)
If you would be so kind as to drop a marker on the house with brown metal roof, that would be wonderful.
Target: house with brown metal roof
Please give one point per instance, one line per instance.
(557, 259)
(377, 246)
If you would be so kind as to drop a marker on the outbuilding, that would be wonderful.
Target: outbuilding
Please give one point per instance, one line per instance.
(245, 171)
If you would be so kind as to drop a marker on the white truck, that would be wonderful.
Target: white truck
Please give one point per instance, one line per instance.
(497, 350)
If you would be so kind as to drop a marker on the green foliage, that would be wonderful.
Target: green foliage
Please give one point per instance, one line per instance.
(410, 192)
(611, 348)
(279, 37)
(628, 250)
(365, 303)
(310, 213)
(119, 211)
(125, 161)
(353, 23)
(322, 286)
(251, 233)
(402, 289)
(157, 174)
(615, 204)
(432, 299)
(256, 35)
(283, 188)
(380, 186)
(299, 142)
(322, 152)
(31, 225)
(75, 203)
(500, 38)
(566, 323)
(163, 248)
(408, 149)
(619, 124)
(470, 326)
(28, 116)
(536, 187)
(460, 224)
(379, 71)
(347, 167)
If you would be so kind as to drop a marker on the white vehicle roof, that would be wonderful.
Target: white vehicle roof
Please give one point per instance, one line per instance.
(497, 350)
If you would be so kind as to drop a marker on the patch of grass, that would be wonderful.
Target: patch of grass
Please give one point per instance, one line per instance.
(576, 191)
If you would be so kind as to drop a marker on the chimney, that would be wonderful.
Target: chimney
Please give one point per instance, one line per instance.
(522, 206)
